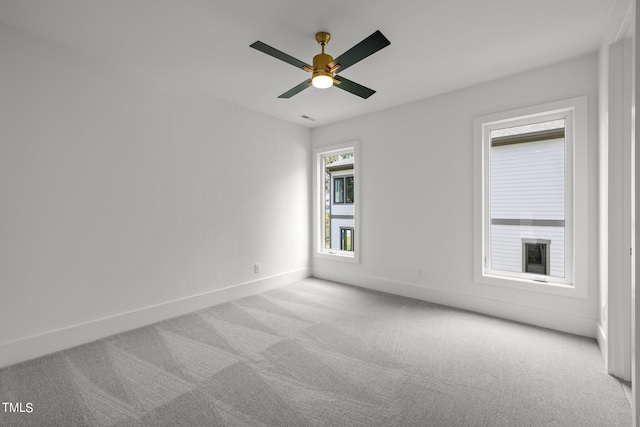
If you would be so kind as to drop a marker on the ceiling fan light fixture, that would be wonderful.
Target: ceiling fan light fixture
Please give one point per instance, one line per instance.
(322, 79)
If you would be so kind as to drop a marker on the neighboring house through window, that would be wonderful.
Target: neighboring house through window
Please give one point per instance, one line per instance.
(341, 213)
(527, 202)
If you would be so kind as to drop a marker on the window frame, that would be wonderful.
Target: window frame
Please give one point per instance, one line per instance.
(574, 112)
(320, 153)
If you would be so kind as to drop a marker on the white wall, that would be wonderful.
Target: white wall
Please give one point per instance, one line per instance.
(117, 198)
(422, 218)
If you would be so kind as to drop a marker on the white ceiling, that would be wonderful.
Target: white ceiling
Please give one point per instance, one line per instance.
(201, 47)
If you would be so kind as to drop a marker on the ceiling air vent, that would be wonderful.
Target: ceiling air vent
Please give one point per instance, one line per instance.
(304, 116)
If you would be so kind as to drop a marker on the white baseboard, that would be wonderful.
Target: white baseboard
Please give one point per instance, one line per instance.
(49, 342)
(565, 322)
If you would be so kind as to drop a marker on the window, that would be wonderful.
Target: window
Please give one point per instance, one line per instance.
(336, 202)
(346, 239)
(527, 164)
(343, 189)
(338, 185)
(535, 256)
(348, 189)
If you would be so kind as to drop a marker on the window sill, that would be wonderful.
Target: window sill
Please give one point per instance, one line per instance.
(530, 285)
(337, 255)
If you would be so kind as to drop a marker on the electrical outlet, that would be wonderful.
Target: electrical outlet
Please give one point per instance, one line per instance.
(420, 273)
(256, 268)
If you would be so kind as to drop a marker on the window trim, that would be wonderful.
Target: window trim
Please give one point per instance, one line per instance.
(318, 202)
(574, 111)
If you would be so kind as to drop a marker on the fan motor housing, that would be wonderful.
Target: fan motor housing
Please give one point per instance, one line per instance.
(321, 60)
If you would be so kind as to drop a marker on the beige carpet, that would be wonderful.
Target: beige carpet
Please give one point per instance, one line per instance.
(317, 353)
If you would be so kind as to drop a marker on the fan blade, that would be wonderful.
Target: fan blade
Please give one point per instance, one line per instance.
(366, 47)
(353, 87)
(265, 48)
(302, 86)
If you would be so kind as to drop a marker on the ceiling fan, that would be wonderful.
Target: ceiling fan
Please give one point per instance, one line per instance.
(325, 68)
